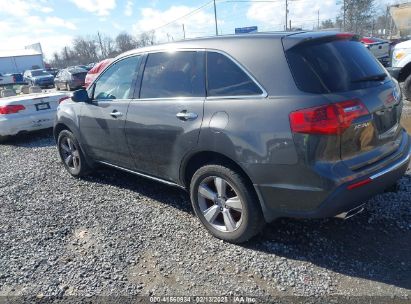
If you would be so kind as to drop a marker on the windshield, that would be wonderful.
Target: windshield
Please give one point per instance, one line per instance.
(333, 66)
(39, 73)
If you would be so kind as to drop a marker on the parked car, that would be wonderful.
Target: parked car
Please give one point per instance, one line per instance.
(29, 112)
(6, 79)
(52, 71)
(379, 47)
(401, 66)
(18, 78)
(256, 127)
(96, 70)
(38, 78)
(85, 67)
(70, 78)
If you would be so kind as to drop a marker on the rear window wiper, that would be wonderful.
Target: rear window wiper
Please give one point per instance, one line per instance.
(377, 77)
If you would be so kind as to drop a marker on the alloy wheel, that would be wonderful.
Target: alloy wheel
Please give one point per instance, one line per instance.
(220, 204)
(70, 153)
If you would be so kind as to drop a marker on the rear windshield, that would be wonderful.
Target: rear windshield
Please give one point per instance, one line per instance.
(39, 73)
(80, 75)
(333, 66)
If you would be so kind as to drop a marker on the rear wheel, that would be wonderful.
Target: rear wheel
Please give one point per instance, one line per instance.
(57, 87)
(407, 88)
(3, 139)
(225, 204)
(70, 153)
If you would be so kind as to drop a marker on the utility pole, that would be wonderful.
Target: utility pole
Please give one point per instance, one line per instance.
(184, 32)
(318, 19)
(215, 19)
(103, 53)
(286, 14)
(290, 25)
(343, 15)
(386, 22)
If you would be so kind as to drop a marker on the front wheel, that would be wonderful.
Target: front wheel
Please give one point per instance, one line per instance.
(225, 204)
(71, 154)
(407, 88)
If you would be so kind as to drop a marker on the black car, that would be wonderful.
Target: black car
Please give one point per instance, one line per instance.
(70, 78)
(255, 127)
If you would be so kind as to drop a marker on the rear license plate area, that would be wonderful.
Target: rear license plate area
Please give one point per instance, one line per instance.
(42, 106)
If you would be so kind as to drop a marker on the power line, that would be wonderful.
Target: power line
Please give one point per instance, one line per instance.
(179, 18)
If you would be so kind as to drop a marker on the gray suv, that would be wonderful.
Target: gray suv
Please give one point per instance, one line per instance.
(256, 127)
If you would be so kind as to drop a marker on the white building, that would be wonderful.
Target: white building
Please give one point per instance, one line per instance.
(18, 61)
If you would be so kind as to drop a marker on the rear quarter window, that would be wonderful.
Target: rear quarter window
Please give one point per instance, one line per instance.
(333, 66)
(226, 78)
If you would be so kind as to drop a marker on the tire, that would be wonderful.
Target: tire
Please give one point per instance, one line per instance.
(57, 87)
(407, 88)
(220, 214)
(71, 154)
(3, 139)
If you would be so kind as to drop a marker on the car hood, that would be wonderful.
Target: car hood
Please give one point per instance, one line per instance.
(403, 45)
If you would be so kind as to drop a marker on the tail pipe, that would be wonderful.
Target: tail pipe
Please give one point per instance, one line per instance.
(351, 213)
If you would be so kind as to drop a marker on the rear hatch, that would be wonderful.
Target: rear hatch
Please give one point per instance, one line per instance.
(342, 71)
(80, 76)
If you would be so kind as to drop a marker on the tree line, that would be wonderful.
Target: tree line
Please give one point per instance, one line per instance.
(362, 17)
(85, 50)
(357, 16)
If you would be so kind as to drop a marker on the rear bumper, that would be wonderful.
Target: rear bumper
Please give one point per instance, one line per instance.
(15, 125)
(339, 199)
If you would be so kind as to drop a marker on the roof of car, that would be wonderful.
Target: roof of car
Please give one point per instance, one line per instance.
(205, 42)
(76, 69)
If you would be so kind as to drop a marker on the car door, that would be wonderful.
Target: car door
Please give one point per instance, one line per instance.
(164, 123)
(102, 120)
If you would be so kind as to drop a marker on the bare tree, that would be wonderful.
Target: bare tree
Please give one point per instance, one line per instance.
(146, 39)
(358, 16)
(327, 24)
(85, 50)
(125, 42)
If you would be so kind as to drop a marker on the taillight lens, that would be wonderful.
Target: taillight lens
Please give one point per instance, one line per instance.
(11, 109)
(331, 119)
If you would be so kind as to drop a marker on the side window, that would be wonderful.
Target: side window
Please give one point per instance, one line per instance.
(116, 82)
(174, 74)
(226, 78)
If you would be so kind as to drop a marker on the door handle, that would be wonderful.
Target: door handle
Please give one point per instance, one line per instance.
(116, 114)
(184, 115)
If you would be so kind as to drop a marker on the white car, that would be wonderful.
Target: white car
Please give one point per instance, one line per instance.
(28, 112)
(401, 66)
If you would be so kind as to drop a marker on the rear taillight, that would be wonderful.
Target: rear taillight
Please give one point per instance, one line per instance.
(331, 119)
(63, 99)
(14, 79)
(359, 184)
(11, 109)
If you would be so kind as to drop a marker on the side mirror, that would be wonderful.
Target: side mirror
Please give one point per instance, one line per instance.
(80, 96)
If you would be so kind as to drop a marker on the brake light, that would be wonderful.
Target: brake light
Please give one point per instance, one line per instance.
(331, 119)
(359, 184)
(63, 99)
(11, 109)
(345, 36)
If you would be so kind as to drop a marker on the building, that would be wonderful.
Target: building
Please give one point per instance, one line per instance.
(18, 61)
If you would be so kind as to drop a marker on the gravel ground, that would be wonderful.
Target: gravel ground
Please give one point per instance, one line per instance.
(117, 234)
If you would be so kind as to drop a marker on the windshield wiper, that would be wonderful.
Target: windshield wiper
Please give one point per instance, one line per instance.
(377, 77)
